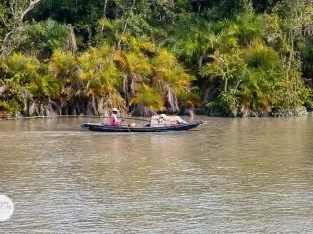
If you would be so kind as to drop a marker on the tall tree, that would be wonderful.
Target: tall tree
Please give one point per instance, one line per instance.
(12, 15)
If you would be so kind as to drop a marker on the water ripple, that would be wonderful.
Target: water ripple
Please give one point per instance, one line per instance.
(231, 176)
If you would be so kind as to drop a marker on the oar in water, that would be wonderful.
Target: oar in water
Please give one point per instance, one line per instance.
(123, 120)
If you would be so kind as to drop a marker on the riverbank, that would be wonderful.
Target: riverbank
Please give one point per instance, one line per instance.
(274, 113)
(59, 116)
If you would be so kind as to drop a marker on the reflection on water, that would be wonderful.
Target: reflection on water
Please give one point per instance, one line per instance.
(229, 176)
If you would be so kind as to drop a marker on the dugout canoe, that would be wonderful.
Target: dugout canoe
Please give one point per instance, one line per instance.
(168, 128)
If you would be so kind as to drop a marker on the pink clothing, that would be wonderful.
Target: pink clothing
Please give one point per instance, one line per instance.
(113, 120)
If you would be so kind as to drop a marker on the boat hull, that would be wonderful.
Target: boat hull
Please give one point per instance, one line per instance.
(172, 128)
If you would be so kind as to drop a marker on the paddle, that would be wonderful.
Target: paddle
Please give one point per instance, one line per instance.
(146, 120)
(123, 120)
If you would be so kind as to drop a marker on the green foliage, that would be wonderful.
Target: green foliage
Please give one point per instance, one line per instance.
(100, 75)
(19, 68)
(261, 56)
(225, 66)
(4, 106)
(62, 64)
(230, 102)
(149, 98)
(44, 86)
(188, 99)
(227, 104)
(158, 54)
(44, 37)
(291, 90)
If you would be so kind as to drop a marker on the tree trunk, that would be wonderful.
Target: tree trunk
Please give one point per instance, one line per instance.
(71, 40)
(15, 25)
(200, 61)
(105, 9)
(94, 105)
(4, 89)
(100, 108)
(118, 45)
(226, 84)
(26, 108)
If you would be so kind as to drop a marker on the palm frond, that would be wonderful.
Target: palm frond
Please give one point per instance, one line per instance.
(148, 97)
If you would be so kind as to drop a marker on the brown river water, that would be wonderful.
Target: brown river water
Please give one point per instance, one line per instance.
(229, 176)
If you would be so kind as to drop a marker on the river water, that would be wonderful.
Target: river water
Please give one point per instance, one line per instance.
(229, 176)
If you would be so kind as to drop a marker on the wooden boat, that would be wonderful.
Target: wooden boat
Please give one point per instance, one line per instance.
(147, 128)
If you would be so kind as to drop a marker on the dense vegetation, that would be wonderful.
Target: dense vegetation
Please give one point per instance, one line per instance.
(83, 57)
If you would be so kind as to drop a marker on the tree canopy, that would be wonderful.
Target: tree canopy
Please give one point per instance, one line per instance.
(84, 57)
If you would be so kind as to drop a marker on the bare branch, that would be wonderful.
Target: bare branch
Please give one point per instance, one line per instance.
(104, 13)
(17, 23)
(71, 41)
(4, 21)
(125, 25)
(30, 7)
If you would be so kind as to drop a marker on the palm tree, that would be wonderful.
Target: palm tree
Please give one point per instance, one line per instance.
(42, 38)
(63, 65)
(227, 67)
(43, 89)
(136, 69)
(251, 27)
(169, 77)
(30, 85)
(101, 78)
(148, 100)
(201, 39)
(264, 70)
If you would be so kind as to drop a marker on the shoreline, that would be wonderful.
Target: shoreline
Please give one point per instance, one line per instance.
(65, 116)
(53, 117)
(273, 113)
(143, 118)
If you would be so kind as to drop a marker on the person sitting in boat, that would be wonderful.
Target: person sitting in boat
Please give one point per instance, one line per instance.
(163, 119)
(113, 118)
(179, 120)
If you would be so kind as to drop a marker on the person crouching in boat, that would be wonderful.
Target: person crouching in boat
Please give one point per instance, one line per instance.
(172, 119)
(113, 118)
